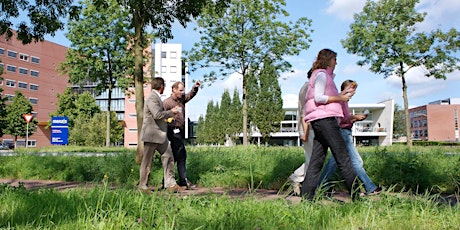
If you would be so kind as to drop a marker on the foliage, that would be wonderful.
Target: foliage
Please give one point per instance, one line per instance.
(99, 51)
(268, 111)
(399, 124)
(44, 17)
(16, 125)
(235, 117)
(74, 105)
(384, 35)
(2, 111)
(91, 130)
(239, 38)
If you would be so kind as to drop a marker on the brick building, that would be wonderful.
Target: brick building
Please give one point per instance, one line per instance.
(31, 69)
(437, 121)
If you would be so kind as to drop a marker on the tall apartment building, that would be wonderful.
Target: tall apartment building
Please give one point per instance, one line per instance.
(168, 64)
(31, 69)
(437, 121)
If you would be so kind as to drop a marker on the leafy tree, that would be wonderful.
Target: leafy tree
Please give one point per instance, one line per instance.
(16, 125)
(269, 106)
(399, 125)
(235, 117)
(384, 34)
(99, 50)
(66, 106)
(91, 130)
(224, 112)
(45, 17)
(2, 106)
(158, 17)
(242, 36)
(200, 131)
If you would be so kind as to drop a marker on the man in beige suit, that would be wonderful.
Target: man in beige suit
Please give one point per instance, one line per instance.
(153, 135)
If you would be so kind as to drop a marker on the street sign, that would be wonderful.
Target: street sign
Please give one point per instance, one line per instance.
(59, 130)
(28, 117)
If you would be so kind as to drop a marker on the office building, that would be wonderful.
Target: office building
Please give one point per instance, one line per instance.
(31, 69)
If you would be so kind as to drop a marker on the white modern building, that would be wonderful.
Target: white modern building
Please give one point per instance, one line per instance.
(375, 130)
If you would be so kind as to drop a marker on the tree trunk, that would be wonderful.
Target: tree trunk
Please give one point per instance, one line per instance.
(139, 83)
(406, 109)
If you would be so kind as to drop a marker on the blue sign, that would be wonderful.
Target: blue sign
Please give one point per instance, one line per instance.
(59, 130)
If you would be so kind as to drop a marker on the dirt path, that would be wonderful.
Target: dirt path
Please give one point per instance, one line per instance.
(263, 194)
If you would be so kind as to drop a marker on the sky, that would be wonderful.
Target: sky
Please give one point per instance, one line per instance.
(331, 21)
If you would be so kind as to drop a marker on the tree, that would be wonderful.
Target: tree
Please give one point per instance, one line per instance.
(45, 17)
(384, 34)
(235, 117)
(66, 106)
(99, 51)
(269, 106)
(242, 36)
(2, 106)
(90, 131)
(16, 125)
(399, 125)
(225, 111)
(159, 17)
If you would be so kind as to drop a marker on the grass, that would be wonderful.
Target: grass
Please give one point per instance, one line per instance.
(414, 179)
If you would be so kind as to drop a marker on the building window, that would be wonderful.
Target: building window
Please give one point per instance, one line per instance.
(33, 100)
(9, 97)
(163, 69)
(33, 87)
(22, 85)
(35, 60)
(132, 130)
(132, 115)
(173, 54)
(132, 101)
(11, 68)
(12, 54)
(23, 57)
(173, 69)
(10, 83)
(23, 71)
(2, 51)
(163, 54)
(34, 73)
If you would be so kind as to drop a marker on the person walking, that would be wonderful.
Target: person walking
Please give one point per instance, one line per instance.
(346, 123)
(322, 110)
(176, 131)
(306, 135)
(153, 134)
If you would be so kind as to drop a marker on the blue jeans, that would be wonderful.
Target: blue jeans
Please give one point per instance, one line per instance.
(356, 161)
(327, 135)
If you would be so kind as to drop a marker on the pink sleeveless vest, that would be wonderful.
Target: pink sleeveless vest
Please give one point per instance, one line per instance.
(315, 111)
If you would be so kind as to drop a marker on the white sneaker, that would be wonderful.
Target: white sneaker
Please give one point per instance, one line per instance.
(296, 188)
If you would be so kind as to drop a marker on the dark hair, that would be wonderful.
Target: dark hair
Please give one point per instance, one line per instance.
(310, 72)
(157, 83)
(324, 59)
(347, 83)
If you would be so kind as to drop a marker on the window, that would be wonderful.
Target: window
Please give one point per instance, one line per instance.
(33, 87)
(10, 83)
(23, 71)
(132, 101)
(163, 54)
(23, 57)
(11, 68)
(163, 69)
(12, 54)
(33, 100)
(34, 73)
(132, 115)
(2, 51)
(22, 85)
(35, 60)
(173, 69)
(9, 96)
(173, 54)
(132, 130)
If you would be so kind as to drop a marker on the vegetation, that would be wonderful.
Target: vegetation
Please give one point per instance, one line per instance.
(15, 124)
(99, 51)
(399, 123)
(385, 35)
(44, 17)
(241, 37)
(398, 168)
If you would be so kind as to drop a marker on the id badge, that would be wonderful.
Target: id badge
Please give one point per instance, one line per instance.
(176, 131)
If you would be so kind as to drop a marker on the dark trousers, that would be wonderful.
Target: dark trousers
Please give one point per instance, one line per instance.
(179, 152)
(327, 135)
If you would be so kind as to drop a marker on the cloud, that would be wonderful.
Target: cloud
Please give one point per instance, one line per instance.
(235, 80)
(290, 100)
(440, 14)
(345, 9)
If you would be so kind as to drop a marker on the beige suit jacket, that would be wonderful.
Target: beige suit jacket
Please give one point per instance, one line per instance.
(154, 126)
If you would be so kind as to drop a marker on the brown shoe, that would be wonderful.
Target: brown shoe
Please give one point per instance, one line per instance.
(145, 189)
(188, 185)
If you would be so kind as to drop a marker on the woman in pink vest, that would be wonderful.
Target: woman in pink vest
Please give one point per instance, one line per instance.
(323, 108)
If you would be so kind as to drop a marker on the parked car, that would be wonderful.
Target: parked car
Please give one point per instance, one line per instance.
(5, 146)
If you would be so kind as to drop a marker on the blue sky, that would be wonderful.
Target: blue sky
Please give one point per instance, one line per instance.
(330, 21)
